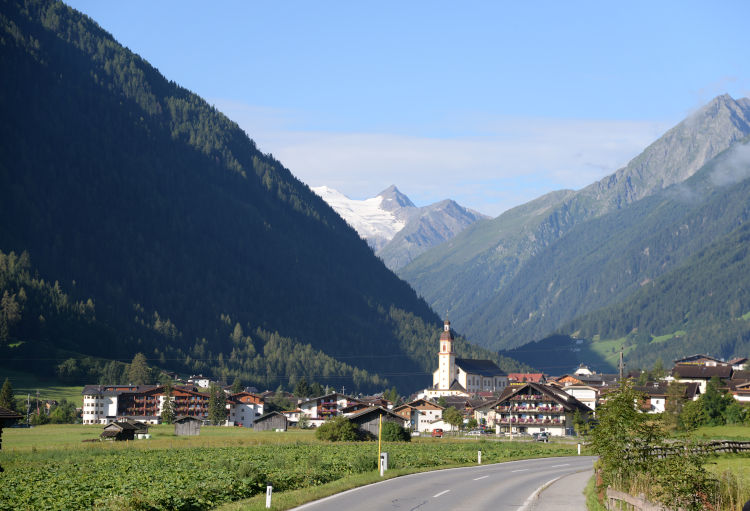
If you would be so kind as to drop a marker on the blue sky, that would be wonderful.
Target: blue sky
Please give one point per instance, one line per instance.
(489, 103)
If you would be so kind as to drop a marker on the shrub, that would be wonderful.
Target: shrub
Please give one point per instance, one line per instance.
(339, 429)
(392, 432)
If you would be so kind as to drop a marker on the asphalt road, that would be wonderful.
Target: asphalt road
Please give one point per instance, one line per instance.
(502, 486)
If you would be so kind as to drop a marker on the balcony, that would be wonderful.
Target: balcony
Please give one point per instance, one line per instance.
(531, 421)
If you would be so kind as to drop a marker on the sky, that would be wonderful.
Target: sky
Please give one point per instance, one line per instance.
(491, 104)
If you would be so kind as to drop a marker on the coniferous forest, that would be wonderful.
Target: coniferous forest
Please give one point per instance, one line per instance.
(135, 217)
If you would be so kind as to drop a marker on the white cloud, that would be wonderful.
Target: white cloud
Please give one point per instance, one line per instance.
(513, 161)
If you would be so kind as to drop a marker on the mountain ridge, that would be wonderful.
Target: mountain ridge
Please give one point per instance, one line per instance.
(463, 275)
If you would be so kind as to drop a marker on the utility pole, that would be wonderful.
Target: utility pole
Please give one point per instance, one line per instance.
(621, 364)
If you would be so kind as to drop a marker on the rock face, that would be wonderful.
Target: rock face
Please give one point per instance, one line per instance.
(463, 275)
(396, 229)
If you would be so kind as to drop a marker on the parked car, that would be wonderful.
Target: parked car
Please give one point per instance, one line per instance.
(541, 437)
(475, 432)
(437, 433)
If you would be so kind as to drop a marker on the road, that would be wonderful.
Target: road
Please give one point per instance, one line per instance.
(501, 486)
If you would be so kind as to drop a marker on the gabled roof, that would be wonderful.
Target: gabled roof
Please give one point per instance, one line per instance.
(268, 416)
(527, 377)
(374, 410)
(696, 358)
(420, 402)
(691, 371)
(181, 419)
(457, 386)
(568, 402)
(480, 367)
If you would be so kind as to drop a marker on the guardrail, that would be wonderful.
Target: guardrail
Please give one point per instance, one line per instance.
(615, 500)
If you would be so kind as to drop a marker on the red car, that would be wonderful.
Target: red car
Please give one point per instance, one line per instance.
(437, 433)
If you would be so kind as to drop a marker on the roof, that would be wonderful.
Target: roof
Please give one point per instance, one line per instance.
(377, 410)
(695, 358)
(524, 377)
(457, 386)
(121, 426)
(568, 402)
(268, 416)
(186, 418)
(480, 367)
(9, 415)
(701, 372)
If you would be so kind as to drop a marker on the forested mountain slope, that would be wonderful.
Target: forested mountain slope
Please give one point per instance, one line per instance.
(604, 260)
(133, 192)
(465, 274)
(703, 306)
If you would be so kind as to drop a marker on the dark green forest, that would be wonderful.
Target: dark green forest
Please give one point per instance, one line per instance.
(706, 301)
(165, 230)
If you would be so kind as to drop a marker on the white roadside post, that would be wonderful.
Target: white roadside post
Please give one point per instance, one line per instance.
(269, 491)
(479, 457)
(579, 449)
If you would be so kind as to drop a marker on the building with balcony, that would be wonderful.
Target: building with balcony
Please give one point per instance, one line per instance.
(532, 408)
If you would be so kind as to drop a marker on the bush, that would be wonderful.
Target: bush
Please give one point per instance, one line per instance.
(339, 429)
(392, 432)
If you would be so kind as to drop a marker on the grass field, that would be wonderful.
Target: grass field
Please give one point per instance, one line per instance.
(25, 383)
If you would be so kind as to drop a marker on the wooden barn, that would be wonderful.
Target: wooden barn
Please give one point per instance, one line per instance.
(187, 425)
(270, 421)
(119, 431)
(367, 419)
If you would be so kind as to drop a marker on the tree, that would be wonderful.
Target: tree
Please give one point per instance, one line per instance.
(691, 416)
(624, 435)
(167, 410)
(63, 413)
(7, 399)
(472, 424)
(138, 370)
(453, 417)
(441, 401)
(674, 404)
(10, 312)
(316, 389)
(237, 385)
(392, 396)
(112, 373)
(302, 389)
(217, 405)
(714, 403)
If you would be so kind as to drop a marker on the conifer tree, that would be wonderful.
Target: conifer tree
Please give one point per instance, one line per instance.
(7, 400)
(217, 405)
(138, 371)
(167, 411)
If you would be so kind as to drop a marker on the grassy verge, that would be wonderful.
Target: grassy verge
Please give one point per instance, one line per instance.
(592, 501)
(740, 433)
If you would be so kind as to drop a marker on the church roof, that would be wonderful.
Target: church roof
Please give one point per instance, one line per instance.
(480, 367)
(457, 386)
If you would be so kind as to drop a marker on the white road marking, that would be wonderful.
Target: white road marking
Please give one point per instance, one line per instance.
(483, 477)
(439, 494)
(563, 465)
(520, 470)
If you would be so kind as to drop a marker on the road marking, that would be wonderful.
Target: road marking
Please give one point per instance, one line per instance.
(483, 477)
(520, 470)
(527, 504)
(439, 494)
(563, 465)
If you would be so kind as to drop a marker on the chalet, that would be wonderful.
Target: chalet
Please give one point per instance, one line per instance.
(367, 420)
(321, 408)
(700, 374)
(272, 421)
(738, 364)
(185, 425)
(292, 416)
(584, 393)
(740, 392)
(462, 376)
(533, 408)
(244, 408)
(656, 394)
(419, 414)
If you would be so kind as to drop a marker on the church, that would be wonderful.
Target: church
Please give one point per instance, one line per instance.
(462, 376)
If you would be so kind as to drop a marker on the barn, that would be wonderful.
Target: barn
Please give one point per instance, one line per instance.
(271, 421)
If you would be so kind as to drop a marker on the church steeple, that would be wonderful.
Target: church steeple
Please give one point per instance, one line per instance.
(446, 358)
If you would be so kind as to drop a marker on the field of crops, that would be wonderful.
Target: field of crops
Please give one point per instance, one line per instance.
(199, 478)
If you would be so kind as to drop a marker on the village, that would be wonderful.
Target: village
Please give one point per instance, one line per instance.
(487, 400)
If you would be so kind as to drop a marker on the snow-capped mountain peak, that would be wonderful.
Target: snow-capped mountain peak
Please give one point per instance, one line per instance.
(373, 222)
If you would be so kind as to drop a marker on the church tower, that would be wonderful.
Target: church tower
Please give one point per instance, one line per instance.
(446, 358)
